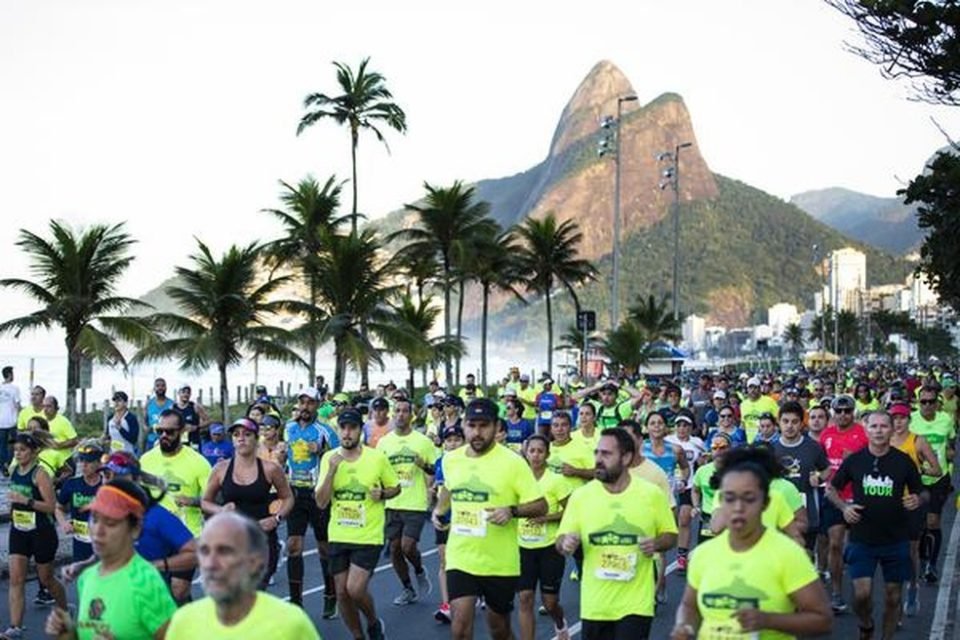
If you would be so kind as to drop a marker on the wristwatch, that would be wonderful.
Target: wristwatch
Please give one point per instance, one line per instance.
(514, 511)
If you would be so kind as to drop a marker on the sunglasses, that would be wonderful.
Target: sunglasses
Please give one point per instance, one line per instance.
(843, 410)
(719, 447)
(928, 402)
(726, 415)
(166, 432)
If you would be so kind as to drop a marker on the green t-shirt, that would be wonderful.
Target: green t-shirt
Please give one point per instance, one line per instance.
(186, 475)
(612, 415)
(498, 478)
(131, 603)
(938, 432)
(789, 491)
(354, 516)
(701, 480)
(762, 577)
(401, 452)
(556, 488)
(23, 418)
(270, 617)
(618, 579)
(751, 410)
(590, 443)
(62, 430)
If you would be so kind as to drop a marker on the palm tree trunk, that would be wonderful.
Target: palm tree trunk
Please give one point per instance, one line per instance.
(224, 399)
(483, 337)
(549, 335)
(73, 379)
(459, 325)
(411, 382)
(448, 368)
(354, 137)
(312, 336)
(338, 366)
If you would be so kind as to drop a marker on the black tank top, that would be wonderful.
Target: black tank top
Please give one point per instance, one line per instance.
(190, 416)
(26, 485)
(252, 499)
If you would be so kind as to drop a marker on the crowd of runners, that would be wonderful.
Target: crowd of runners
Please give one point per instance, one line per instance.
(767, 487)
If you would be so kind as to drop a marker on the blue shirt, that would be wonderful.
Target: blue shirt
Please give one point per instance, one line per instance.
(438, 480)
(517, 432)
(164, 534)
(76, 494)
(302, 463)
(547, 403)
(739, 437)
(214, 452)
(153, 419)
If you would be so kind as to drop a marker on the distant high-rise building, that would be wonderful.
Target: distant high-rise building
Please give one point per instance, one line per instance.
(848, 277)
(780, 316)
(694, 332)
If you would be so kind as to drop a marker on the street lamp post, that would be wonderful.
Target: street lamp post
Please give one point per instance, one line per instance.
(672, 176)
(614, 124)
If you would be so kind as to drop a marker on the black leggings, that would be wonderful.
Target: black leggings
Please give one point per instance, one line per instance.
(273, 558)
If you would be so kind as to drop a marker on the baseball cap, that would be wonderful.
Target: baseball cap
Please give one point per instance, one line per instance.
(349, 416)
(453, 401)
(270, 420)
(684, 416)
(449, 432)
(379, 403)
(546, 381)
(524, 377)
(122, 463)
(719, 395)
(120, 396)
(899, 409)
(510, 392)
(217, 427)
(610, 386)
(89, 450)
(842, 402)
(115, 503)
(948, 382)
(482, 409)
(342, 398)
(753, 382)
(309, 392)
(245, 423)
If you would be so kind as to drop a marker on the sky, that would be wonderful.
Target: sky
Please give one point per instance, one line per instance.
(179, 117)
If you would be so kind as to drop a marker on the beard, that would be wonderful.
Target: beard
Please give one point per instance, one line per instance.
(608, 475)
(169, 446)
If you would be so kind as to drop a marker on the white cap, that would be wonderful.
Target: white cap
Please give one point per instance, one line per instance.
(719, 395)
(310, 392)
(753, 382)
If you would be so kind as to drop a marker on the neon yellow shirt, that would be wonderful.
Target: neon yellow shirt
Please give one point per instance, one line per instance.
(762, 577)
(270, 617)
(354, 517)
(556, 489)
(791, 495)
(618, 579)
(62, 430)
(937, 432)
(186, 475)
(25, 414)
(498, 478)
(751, 410)
(574, 453)
(528, 395)
(866, 407)
(401, 451)
(589, 443)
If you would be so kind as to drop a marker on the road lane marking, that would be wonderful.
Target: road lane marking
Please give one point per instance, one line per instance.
(938, 627)
(383, 567)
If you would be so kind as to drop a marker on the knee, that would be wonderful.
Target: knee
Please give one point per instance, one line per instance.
(342, 592)
(409, 546)
(356, 590)
(294, 547)
(526, 599)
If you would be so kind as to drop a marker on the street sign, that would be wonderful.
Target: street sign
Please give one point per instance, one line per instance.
(85, 374)
(587, 321)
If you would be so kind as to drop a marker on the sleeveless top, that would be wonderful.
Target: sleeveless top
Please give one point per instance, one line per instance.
(666, 460)
(252, 499)
(909, 447)
(190, 416)
(26, 519)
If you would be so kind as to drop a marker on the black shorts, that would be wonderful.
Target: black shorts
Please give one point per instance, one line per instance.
(40, 544)
(626, 628)
(810, 539)
(939, 493)
(344, 554)
(407, 524)
(830, 517)
(496, 591)
(306, 512)
(684, 498)
(440, 536)
(543, 566)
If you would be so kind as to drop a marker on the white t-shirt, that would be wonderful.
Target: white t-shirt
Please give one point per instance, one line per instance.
(9, 405)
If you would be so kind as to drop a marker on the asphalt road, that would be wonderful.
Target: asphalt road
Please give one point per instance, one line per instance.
(416, 622)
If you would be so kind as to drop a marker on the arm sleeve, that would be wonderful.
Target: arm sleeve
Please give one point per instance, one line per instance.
(132, 432)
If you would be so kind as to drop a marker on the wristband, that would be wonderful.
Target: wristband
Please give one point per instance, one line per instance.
(514, 511)
(166, 566)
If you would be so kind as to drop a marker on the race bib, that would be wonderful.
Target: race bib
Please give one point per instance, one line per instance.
(620, 566)
(351, 515)
(405, 476)
(116, 445)
(81, 531)
(532, 532)
(725, 630)
(24, 520)
(546, 415)
(302, 477)
(469, 521)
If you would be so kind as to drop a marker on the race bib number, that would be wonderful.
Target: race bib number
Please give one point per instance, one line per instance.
(405, 476)
(469, 521)
(81, 531)
(532, 532)
(351, 515)
(620, 566)
(24, 520)
(725, 630)
(302, 477)
(546, 415)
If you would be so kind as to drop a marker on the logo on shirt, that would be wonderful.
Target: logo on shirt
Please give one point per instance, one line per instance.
(354, 492)
(880, 487)
(618, 533)
(739, 595)
(96, 609)
(474, 490)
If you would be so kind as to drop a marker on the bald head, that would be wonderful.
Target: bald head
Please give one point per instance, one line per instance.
(232, 555)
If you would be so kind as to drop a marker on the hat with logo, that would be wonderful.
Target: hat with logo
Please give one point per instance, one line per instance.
(482, 409)
(450, 432)
(217, 428)
(753, 382)
(349, 416)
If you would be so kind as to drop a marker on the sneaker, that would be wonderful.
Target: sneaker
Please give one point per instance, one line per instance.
(574, 576)
(562, 633)
(272, 581)
(662, 597)
(825, 577)
(377, 631)
(12, 633)
(482, 602)
(407, 596)
(424, 586)
(44, 597)
(442, 614)
(837, 603)
(930, 574)
(329, 607)
(911, 606)
(543, 611)
(681, 565)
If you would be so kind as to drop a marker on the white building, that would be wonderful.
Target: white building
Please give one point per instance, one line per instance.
(780, 316)
(694, 332)
(848, 277)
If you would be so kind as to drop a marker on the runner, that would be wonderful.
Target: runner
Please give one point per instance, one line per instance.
(694, 452)
(271, 447)
(586, 432)
(767, 433)
(702, 493)
(727, 425)
(610, 411)
(9, 411)
(32, 532)
(75, 496)
(540, 563)
(307, 439)
(122, 595)
(413, 457)
(938, 429)
(751, 581)
(839, 440)
(32, 410)
(546, 403)
(923, 456)
(452, 439)
(152, 412)
(753, 406)
(379, 423)
(486, 487)
(185, 473)
(256, 488)
(122, 430)
(193, 414)
(568, 458)
(518, 428)
(355, 480)
(218, 447)
(64, 435)
(233, 552)
(621, 523)
(879, 523)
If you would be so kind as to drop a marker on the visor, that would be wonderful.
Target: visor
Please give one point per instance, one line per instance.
(114, 503)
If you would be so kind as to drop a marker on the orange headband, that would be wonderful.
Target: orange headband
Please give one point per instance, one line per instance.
(116, 503)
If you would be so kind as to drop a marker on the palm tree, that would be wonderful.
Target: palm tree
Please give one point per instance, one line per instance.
(364, 103)
(76, 274)
(656, 318)
(848, 331)
(446, 217)
(793, 336)
(822, 328)
(309, 216)
(493, 265)
(225, 315)
(416, 320)
(549, 256)
(420, 270)
(628, 348)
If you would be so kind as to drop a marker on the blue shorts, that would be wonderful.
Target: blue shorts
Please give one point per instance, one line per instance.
(894, 559)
